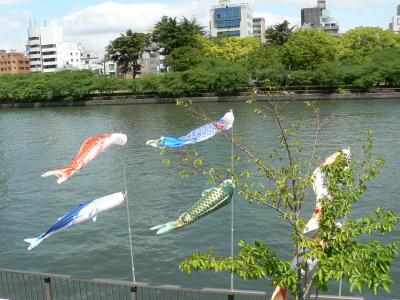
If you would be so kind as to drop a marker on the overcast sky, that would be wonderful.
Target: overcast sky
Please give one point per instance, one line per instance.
(94, 23)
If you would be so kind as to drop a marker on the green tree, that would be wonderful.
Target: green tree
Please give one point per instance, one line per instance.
(307, 48)
(279, 34)
(127, 50)
(183, 58)
(363, 41)
(170, 34)
(281, 182)
(229, 48)
(387, 66)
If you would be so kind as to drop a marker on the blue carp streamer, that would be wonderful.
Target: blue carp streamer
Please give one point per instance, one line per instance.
(82, 213)
(200, 134)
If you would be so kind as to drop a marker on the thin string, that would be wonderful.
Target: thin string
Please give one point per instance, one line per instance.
(129, 223)
(127, 208)
(232, 228)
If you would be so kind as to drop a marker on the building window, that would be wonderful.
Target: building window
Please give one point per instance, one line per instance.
(111, 67)
(227, 17)
(49, 59)
(228, 23)
(398, 21)
(50, 67)
(229, 33)
(34, 52)
(35, 38)
(49, 46)
(50, 53)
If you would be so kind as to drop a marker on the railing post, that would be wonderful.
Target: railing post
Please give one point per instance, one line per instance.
(133, 292)
(231, 297)
(47, 288)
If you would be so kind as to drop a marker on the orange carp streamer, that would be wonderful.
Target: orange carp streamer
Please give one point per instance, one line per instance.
(90, 149)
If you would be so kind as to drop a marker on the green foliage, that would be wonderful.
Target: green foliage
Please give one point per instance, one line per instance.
(170, 34)
(363, 41)
(183, 58)
(261, 58)
(279, 34)
(307, 48)
(61, 86)
(229, 48)
(127, 49)
(253, 262)
(363, 58)
(282, 182)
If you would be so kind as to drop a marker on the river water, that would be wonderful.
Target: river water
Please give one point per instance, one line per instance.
(33, 141)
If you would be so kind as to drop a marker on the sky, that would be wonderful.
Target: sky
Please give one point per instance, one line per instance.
(94, 23)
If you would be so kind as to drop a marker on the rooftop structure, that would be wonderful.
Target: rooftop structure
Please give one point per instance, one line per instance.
(395, 25)
(319, 17)
(48, 52)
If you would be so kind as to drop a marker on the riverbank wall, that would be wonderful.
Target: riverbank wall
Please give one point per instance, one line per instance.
(130, 100)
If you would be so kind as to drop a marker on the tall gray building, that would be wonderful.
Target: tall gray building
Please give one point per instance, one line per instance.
(318, 17)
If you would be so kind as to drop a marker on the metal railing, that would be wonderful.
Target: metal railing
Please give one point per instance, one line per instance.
(22, 285)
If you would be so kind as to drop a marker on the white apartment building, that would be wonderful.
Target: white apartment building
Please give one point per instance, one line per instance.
(395, 25)
(48, 52)
(231, 20)
(259, 29)
(92, 61)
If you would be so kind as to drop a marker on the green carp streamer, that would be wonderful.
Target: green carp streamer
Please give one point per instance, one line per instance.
(210, 201)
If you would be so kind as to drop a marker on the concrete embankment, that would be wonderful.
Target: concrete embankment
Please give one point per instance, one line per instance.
(130, 100)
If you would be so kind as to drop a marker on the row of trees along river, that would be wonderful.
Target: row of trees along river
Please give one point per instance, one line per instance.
(363, 58)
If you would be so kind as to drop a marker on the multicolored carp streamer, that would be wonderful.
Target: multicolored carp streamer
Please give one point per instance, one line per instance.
(279, 294)
(83, 212)
(200, 134)
(90, 149)
(211, 200)
(320, 184)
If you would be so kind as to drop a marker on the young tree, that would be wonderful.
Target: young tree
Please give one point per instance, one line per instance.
(279, 34)
(127, 50)
(307, 48)
(171, 34)
(281, 181)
